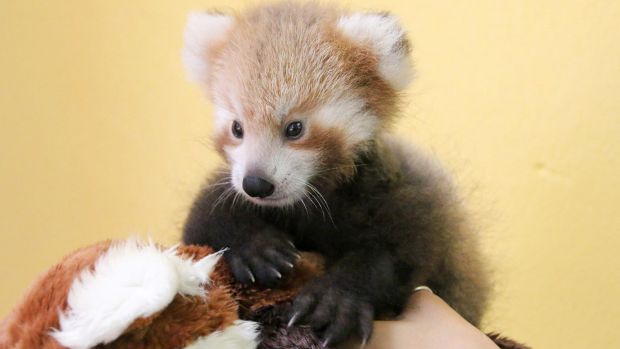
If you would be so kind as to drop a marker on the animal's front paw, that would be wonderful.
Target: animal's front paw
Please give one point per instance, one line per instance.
(334, 313)
(264, 259)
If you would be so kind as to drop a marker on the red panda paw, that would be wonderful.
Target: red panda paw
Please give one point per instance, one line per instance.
(263, 260)
(335, 314)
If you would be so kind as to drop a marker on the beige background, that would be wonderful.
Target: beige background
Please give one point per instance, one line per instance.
(101, 136)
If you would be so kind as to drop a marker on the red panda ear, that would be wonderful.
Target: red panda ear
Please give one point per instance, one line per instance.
(204, 31)
(382, 33)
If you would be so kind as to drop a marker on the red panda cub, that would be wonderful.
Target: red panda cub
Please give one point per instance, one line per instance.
(304, 95)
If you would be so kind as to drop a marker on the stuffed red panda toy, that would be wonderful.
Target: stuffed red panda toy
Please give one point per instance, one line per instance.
(131, 294)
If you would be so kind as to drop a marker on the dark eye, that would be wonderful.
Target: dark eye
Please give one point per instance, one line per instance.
(294, 129)
(237, 130)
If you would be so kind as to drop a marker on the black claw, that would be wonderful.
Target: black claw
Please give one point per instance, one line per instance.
(240, 269)
(292, 320)
(250, 275)
(282, 264)
(321, 316)
(334, 312)
(265, 260)
(365, 323)
(302, 306)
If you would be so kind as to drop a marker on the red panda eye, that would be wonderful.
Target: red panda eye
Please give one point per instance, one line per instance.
(294, 129)
(237, 130)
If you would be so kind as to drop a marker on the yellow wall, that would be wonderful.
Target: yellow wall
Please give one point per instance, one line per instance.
(101, 136)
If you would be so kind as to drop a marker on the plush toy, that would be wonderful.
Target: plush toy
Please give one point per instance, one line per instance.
(130, 294)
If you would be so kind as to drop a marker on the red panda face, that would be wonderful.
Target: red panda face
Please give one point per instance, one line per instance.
(280, 158)
(299, 91)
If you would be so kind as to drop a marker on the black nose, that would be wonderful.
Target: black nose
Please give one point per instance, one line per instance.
(257, 187)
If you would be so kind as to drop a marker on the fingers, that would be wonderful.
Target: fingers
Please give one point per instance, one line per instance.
(264, 262)
(323, 313)
(267, 275)
(338, 315)
(241, 271)
(289, 251)
(343, 325)
(282, 261)
(303, 304)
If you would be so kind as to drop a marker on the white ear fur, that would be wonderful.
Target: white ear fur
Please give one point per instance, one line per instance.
(202, 32)
(384, 35)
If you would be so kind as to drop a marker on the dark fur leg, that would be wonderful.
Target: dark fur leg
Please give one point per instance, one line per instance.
(345, 300)
(256, 251)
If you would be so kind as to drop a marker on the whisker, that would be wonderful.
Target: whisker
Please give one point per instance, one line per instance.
(329, 213)
(216, 185)
(227, 171)
(320, 200)
(224, 181)
(305, 207)
(223, 197)
(234, 201)
(339, 167)
(307, 194)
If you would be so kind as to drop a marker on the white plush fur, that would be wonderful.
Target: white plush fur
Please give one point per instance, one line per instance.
(131, 280)
(240, 335)
(202, 32)
(382, 33)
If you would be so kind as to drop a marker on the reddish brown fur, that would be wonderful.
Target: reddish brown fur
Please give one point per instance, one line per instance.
(293, 54)
(180, 323)
(379, 96)
(184, 320)
(335, 156)
(288, 53)
(293, 61)
(37, 313)
(223, 139)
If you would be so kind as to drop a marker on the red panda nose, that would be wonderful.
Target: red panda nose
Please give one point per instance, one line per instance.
(257, 187)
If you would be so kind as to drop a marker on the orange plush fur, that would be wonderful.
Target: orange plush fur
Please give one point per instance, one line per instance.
(183, 320)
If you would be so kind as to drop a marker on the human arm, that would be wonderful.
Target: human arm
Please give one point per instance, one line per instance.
(428, 323)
